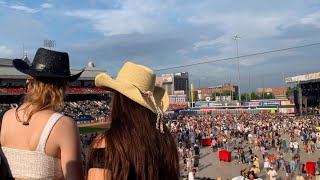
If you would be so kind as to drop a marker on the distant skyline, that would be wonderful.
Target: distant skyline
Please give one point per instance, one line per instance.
(168, 33)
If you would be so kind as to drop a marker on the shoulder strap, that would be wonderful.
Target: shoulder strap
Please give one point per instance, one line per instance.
(47, 130)
(1, 116)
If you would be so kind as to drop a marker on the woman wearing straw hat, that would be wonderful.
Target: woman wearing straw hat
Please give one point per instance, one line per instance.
(138, 145)
(37, 142)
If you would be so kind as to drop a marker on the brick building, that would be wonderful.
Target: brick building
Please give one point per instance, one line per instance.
(226, 88)
(278, 92)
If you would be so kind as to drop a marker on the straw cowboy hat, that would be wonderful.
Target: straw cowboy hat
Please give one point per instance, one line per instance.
(47, 64)
(137, 82)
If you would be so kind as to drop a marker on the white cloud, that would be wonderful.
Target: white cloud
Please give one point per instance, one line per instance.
(182, 51)
(6, 52)
(23, 8)
(131, 17)
(204, 44)
(313, 19)
(46, 5)
(19, 7)
(245, 23)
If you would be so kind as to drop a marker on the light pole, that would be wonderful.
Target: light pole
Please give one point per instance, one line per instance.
(236, 38)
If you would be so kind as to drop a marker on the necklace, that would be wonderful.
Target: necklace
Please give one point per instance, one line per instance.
(25, 123)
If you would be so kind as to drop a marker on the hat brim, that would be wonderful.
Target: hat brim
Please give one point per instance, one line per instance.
(23, 67)
(160, 95)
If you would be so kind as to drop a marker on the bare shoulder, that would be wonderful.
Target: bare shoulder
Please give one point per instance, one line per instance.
(9, 112)
(66, 122)
(66, 128)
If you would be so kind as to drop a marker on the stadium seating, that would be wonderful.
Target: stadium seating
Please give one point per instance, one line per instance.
(81, 111)
(87, 111)
(76, 90)
(13, 90)
(71, 90)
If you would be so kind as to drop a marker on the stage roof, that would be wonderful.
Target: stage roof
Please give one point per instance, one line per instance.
(312, 77)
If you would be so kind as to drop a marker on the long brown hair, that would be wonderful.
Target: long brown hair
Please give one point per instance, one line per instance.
(45, 94)
(134, 147)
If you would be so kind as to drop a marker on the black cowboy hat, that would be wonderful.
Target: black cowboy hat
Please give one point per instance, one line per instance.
(47, 64)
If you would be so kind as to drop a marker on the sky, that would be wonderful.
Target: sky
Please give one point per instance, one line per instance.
(168, 33)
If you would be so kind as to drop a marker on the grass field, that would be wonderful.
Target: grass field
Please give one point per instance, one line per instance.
(94, 127)
(86, 130)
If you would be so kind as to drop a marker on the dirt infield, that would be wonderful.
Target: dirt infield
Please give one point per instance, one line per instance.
(89, 128)
(96, 124)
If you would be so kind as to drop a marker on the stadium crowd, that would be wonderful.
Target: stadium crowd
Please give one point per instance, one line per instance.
(87, 109)
(247, 136)
(270, 136)
(97, 110)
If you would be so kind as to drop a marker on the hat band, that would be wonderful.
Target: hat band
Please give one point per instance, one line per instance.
(159, 124)
(42, 68)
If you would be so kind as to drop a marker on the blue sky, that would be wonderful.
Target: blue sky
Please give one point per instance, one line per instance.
(167, 33)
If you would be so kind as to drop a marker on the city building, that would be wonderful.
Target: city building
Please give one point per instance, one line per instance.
(223, 92)
(175, 84)
(278, 92)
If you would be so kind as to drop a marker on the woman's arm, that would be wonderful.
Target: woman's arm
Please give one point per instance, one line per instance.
(69, 142)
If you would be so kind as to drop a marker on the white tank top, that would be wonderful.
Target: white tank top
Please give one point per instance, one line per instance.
(36, 164)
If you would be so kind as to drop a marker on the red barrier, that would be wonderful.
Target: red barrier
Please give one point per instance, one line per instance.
(225, 155)
(206, 141)
(311, 168)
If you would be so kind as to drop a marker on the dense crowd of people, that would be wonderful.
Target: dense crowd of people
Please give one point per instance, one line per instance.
(87, 109)
(313, 110)
(269, 135)
(77, 109)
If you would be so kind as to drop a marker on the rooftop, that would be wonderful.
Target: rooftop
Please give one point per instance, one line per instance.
(312, 77)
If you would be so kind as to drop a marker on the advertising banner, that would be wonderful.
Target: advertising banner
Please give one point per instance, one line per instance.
(212, 104)
(200, 104)
(286, 110)
(253, 103)
(207, 104)
(288, 102)
(271, 103)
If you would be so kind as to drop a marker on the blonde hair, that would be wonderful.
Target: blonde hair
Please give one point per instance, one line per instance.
(48, 94)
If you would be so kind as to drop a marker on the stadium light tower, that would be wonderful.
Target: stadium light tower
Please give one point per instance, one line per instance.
(49, 43)
(236, 38)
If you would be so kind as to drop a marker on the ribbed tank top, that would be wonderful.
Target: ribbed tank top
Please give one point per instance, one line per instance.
(36, 164)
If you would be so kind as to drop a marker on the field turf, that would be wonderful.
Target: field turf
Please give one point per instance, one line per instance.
(86, 130)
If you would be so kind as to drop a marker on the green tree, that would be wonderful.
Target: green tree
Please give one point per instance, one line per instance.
(245, 97)
(213, 97)
(267, 96)
(254, 96)
(289, 92)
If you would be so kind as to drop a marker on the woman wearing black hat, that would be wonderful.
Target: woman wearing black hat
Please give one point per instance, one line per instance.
(37, 142)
